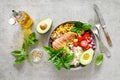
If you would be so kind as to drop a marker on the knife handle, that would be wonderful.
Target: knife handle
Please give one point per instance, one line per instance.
(107, 37)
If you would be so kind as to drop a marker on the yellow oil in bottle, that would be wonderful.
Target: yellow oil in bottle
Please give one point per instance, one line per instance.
(25, 21)
(26, 32)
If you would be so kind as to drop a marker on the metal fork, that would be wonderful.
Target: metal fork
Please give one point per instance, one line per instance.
(96, 31)
(103, 48)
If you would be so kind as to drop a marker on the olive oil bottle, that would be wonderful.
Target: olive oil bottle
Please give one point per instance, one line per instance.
(24, 20)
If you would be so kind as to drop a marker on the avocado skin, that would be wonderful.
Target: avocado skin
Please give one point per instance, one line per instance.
(86, 62)
(47, 21)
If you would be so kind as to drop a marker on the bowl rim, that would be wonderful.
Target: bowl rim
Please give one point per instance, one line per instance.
(79, 67)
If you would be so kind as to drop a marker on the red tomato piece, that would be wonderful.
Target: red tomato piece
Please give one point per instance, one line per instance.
(89, 39)
(86, 35)
(75, 44)
(80, 38)
(83, 43)
(86, 48)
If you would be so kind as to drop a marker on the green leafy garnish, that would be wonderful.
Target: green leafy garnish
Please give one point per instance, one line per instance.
(68, 57)
(57, 57)
(99, 59)
(79, 27)
(86, 26)
(31, 39)
(23, 54)
(19, 60)
(16, 53)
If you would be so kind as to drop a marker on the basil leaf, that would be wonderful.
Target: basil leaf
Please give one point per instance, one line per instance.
(31, 39)
(49, 50)
(19, 60)
(78, 24)
(78, 32)
(24, 46)
(52, 58)
(31, 42)
(58, 63)
(79, 27)
(74, 29)
(68, 57)
(16, 53)
(58, 51)
(32, 36)
(99, 59)
(35, 41)
(86, 26)
(67, 65)
(23, 54)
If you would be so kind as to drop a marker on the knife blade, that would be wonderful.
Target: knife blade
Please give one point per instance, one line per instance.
(103, 25)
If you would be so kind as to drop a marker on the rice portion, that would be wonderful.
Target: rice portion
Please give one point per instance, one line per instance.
(77, 51)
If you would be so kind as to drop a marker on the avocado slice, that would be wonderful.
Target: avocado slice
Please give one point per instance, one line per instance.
(44, 25)
(86, 57)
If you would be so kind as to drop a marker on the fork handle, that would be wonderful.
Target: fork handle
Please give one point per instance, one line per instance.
(104, 49)
(107, 37)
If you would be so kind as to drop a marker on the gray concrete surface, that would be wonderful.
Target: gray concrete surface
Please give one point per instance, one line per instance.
(60, 11)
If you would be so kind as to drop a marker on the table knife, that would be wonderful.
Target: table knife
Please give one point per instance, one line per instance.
(103, 25)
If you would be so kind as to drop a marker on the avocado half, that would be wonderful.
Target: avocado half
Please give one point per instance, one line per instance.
(86, 57)
(44, 25)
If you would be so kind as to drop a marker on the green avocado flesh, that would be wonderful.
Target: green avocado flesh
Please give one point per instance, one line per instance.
(86, 57)
(44, 25)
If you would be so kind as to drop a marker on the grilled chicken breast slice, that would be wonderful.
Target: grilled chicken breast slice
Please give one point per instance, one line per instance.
(63, 40)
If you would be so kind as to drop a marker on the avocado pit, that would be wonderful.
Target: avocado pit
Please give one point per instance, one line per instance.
(43, 26)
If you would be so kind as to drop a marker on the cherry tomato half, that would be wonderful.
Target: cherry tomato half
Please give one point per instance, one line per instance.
(89, 39)
(83, 43)
(86, 48)
(86, 35)
(80, 38)
(75, 44)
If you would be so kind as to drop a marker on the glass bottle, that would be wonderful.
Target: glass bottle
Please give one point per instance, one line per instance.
(24, 20)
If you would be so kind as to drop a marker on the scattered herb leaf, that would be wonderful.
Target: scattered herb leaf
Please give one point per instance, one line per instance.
(31, 39)
(16, 53)
(99, 59)
(19, 60)
(23, 54)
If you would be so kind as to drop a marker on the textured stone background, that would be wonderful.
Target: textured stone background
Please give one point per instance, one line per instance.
(59, 11)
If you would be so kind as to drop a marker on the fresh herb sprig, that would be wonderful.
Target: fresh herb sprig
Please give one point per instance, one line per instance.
(58, 59)
(79, 27)
(23, 54)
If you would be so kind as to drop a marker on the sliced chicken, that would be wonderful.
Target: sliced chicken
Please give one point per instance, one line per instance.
(63, 40)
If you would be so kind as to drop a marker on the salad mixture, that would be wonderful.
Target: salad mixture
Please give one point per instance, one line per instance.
(72, 45)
